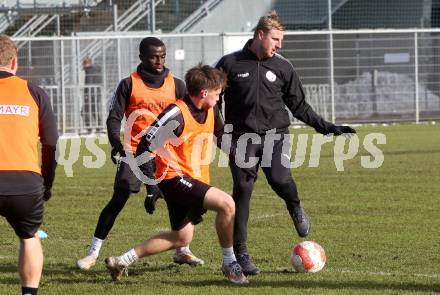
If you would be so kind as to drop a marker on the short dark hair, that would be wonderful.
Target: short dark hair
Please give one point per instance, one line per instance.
(147, 42)
(204, 77)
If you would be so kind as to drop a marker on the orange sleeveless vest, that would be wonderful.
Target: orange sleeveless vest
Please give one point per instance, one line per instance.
(19, 130)
(145, 105)
(192, 154)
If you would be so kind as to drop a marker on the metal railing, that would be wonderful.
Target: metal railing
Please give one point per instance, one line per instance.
(196, 16)
(348, 76)
(78, 109)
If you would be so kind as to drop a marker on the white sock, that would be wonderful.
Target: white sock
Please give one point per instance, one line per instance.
(95, 247)
(129, 257)
(228, 255)
(183, 250)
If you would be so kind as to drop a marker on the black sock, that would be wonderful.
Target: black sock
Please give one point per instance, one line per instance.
(240, 249)
(29, 291)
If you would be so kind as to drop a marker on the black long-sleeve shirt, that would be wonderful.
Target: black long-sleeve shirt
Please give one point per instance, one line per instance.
(92, 74)
(27, 182)
(121, 98)
(259, 90)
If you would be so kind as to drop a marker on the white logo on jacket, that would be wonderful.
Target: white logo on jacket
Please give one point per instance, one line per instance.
(243, 75)
(271, 76)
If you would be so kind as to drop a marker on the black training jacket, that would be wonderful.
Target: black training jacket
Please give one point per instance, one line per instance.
(259, 91)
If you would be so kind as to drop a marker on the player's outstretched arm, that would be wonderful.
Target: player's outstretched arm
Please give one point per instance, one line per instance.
(339, 130)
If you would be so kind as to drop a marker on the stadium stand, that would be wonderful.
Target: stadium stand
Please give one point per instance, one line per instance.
(354, 14)
(369, 65)
(22, 14)
(242, 16)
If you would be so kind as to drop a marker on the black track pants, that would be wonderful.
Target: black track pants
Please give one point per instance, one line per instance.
(268, 153)
(110, 212)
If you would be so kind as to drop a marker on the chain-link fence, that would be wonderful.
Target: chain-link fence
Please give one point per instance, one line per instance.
(369, 76)
(348, 76)
(67, 17)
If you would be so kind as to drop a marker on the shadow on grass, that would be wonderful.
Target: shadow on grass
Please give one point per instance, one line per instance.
(67, 274)
(8, 267)
(63, 274)
(325, 284)
(12, 271)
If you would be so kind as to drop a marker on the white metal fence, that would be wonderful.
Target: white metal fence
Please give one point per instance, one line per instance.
(348, 76)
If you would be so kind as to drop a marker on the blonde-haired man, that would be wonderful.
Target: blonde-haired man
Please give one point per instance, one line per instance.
(261, 84)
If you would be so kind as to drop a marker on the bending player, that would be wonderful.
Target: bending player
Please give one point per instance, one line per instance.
(185, 183)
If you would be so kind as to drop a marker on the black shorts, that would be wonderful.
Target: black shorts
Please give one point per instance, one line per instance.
(24, 213)
(125, 178)
(184, 197)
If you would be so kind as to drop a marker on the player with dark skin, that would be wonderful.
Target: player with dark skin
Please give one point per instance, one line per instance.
(139, 98)
(184, 177)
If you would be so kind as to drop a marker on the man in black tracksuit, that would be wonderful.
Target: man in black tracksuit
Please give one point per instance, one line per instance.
(91, 109)
(261, 84)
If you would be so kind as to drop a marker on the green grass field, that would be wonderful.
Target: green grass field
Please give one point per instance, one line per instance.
(380, 229)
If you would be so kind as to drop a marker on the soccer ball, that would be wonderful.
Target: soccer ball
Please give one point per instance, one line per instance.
(308, 256)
